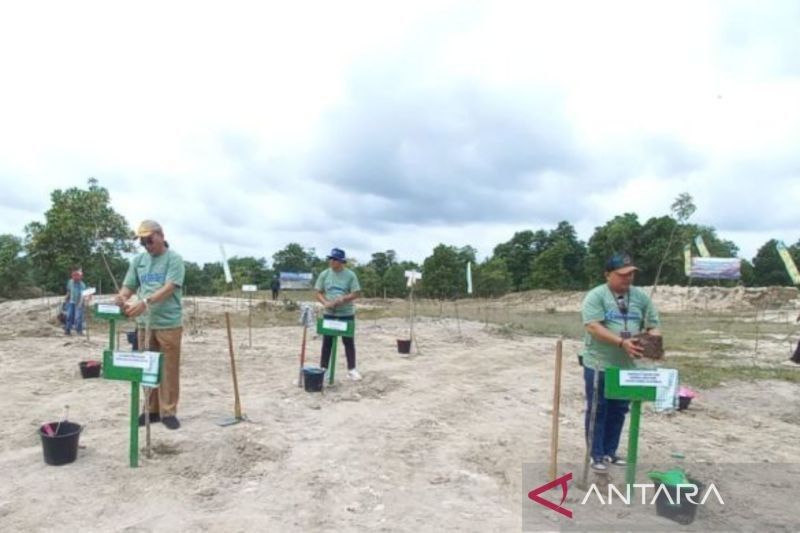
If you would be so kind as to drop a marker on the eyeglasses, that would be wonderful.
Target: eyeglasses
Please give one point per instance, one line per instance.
(146, 241)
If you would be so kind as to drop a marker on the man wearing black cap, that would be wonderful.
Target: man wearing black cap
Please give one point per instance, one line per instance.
(336, 288)
(612, 314)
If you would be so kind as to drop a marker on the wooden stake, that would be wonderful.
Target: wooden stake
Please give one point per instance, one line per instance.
(556, 410)
(237, 404)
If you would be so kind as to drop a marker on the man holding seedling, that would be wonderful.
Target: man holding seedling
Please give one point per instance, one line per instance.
(156, 277)
(613, 313)
(337, 287)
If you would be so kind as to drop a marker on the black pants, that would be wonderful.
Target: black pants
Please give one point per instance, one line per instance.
(274, 294)
(349, 346)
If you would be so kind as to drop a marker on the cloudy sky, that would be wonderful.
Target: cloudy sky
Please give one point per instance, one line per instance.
(399, 125)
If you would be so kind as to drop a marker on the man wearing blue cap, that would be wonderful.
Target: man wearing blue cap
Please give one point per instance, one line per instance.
(612, 314)
(337, 287)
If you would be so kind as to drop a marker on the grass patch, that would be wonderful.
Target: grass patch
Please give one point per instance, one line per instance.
(699, 373)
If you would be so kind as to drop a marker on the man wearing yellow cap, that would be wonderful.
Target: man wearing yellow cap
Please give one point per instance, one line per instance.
(156, 277)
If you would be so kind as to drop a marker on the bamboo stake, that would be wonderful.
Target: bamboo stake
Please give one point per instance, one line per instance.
(556, 412)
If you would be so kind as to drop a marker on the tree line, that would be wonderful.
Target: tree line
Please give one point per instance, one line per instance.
(81, 229)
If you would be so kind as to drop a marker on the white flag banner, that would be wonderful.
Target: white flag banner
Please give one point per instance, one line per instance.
(225, 267)
(469, 277)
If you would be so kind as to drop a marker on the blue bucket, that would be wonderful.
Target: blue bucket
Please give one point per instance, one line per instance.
(313, 377)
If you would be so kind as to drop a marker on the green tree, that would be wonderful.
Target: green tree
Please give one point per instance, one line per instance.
(79, 229)
(443, 273)
(491, 278)
(683, 207)
(571, 254)
(549, 268)
(518, 255)
(250, 271)
(294, 258)
(394, 280)
(620, 234)
(14, 267)
(768, 267)
(371, 283)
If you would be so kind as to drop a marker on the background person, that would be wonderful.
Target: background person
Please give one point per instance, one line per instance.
(612, 314)
(74, 300)
(156, 277)
(337, 287)
(275, 286)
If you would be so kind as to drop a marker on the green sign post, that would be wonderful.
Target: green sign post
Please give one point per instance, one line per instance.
(335, 328)
(636, 385)
(137, 367)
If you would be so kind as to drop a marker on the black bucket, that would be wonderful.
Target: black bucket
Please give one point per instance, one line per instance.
(133, 339)
(403, 346)
(60, 444)
(90, 369)
(683, 402)
(683, 512)
(313, 378)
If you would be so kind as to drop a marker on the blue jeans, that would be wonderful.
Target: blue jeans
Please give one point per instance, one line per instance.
(609, 419)
(74, 318)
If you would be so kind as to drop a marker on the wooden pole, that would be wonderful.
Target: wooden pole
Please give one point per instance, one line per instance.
(250, 319)
(556, 411)
(237, 404)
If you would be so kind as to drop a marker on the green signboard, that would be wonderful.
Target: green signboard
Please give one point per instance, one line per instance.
(632, 384)
(636, 385)
(142, 367)
(335, 327)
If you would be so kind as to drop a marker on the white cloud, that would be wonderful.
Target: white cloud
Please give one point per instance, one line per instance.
(398, 126)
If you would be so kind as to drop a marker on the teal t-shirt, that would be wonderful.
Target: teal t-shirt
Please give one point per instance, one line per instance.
(75, 291)
(600, 305)
(334, 284)
(146, 275)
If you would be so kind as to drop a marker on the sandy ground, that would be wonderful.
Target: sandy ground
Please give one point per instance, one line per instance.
(431, 442)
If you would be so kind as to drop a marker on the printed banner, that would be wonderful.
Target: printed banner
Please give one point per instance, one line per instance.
(296, 280)
(791, 267)
(701, 246)
(469, 277)
(716, 268)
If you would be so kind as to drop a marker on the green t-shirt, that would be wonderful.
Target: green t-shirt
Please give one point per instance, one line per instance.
(75, 290)
(146, 275)
(334, 284)
(600, 305)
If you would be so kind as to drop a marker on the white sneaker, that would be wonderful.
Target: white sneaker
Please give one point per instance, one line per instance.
(354, 374)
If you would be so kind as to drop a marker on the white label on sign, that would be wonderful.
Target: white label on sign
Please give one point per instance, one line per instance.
(109, 309)
(147, 361)
(249, 288)
(641, 378)
(338, 325)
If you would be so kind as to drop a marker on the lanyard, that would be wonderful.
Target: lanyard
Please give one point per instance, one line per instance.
(622, 304)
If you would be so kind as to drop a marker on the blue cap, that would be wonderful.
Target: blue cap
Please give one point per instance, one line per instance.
(337, 254)
(620, 262)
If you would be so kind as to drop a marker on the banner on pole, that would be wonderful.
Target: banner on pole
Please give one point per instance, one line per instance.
(791, 267)
(469, 277)
(701, 246)
(296, 280)
(687, 259)
(716, 268)
(225, 267)
(412, 276)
